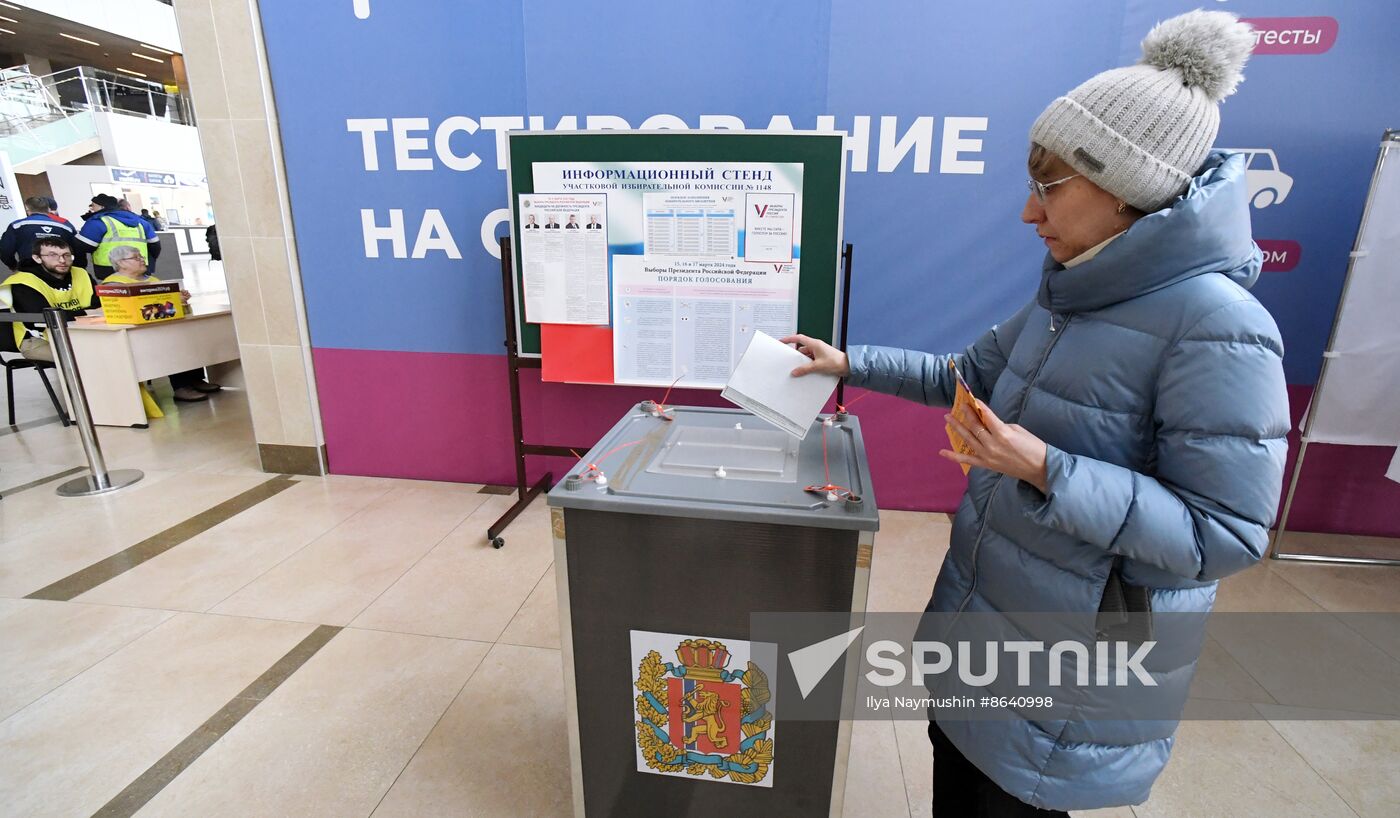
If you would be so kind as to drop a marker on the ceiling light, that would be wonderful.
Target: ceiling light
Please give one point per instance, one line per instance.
(11, 6)
(144, 57)
(79, 39)
(6, 30)
(9, 19)
(157, 48)
(132, 73)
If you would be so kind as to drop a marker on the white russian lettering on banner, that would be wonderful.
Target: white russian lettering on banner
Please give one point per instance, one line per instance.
(442, 142)
(954, 144)
(405, 144)
(433, 234)
(918, 138)
(367, 129)
(722, 122)
(607, 122)
(664, 122)
(373, 233)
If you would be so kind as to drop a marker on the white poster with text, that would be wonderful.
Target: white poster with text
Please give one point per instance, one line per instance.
(564, 257)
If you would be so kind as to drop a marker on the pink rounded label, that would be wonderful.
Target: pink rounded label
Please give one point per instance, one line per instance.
(1293, 35)
(1280, 255)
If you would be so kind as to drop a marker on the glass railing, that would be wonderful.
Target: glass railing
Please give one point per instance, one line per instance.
(40, 137)
(27, 101)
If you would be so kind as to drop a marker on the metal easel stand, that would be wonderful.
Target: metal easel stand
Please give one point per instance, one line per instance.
(525, 492)
(1275, 547)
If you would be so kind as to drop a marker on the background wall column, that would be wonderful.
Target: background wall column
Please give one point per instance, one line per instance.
(232, 95)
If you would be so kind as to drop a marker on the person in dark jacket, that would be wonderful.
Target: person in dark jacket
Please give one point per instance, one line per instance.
(110, 225)
(211, 237)
(17, 242)
(1130, 423)
(53, 210)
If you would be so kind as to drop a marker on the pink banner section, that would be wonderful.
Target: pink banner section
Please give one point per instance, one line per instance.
(1280, 255)
(1293, 35)
(434, 416)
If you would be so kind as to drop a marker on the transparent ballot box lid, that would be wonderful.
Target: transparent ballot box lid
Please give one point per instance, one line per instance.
(725, 464)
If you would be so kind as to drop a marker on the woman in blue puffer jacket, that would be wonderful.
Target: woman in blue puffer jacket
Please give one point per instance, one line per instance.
(1132, 416)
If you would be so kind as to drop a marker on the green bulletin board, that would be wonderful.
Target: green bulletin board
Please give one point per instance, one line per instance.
(822, 156)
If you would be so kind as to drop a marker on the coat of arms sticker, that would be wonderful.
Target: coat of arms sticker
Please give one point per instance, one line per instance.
(702, 709)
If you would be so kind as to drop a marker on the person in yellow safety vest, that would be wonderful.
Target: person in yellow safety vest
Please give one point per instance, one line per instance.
(131, 268)
(55, 282)
(109, 226)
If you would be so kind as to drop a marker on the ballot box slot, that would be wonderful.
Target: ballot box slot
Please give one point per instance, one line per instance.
(742, 454)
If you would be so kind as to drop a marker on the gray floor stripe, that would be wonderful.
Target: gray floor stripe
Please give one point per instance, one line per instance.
(119, 563)
(28, 424)
(42, 480)
(154, 779)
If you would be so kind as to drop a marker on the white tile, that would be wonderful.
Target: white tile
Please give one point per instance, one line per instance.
(263, 400)
(282, 314)
(242, 66)
(537, 622)
(499, 750)
(464, 588)
(49, 548)
(71, 752)
(1346, 588)
(1358, 759)
(336, 577)
(333, 737)
(208, 568)
(44, 644)
(874, 779)
(916, 761)
(293, 396)
(1221, 768)
(260, 191)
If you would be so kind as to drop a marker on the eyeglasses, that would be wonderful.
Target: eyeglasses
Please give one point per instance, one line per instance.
(1040, 189)
(58, 256)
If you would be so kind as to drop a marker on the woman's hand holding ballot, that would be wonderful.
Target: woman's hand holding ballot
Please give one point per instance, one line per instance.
(999, 447)
(826, 359)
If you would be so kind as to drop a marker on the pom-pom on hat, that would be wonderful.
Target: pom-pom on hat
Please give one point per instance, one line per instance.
(1142, 132)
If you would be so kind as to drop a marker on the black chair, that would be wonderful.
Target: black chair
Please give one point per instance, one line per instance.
(12, 364)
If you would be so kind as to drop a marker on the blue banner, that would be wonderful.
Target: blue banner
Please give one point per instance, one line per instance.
(393, 123)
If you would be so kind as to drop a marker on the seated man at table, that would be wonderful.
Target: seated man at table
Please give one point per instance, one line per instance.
(54, 282)
(129, 267)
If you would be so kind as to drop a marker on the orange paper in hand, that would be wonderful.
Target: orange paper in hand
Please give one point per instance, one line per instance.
(962, 400)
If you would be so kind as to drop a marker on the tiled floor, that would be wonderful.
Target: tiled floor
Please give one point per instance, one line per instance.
(439, 691)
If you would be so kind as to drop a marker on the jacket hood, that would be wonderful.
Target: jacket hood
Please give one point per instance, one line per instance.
(126, 217)
(1207, 230)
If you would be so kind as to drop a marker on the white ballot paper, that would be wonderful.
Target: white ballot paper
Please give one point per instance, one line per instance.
(763, 384)
(1394, 471)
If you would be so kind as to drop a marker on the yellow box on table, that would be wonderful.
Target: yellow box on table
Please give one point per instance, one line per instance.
(141, 303)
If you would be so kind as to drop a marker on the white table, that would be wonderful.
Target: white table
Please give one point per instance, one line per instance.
(114, 358)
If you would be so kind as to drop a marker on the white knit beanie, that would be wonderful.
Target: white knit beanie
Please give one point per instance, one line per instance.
(1142, 132)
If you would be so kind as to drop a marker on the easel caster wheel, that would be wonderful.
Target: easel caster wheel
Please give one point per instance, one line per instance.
(498, 542)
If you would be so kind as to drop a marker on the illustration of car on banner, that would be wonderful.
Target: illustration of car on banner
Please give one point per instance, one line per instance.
(702, 709)
(1267, 184)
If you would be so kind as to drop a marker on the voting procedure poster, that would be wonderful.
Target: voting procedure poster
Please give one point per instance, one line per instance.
(699, 256)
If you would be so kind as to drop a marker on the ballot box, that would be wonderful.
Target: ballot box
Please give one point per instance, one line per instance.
(667, 535)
